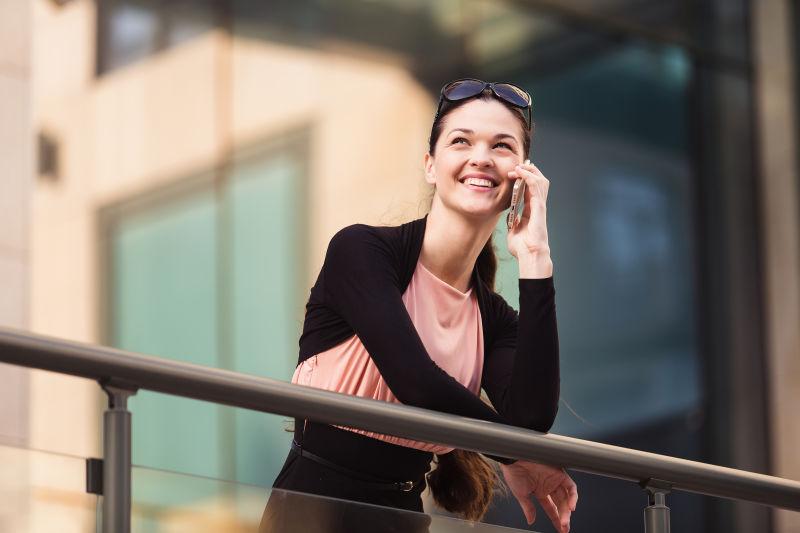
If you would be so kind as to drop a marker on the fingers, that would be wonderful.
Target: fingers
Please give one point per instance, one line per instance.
(538, 185)
(552, 512)
(528, 508)
(526, 212)
(514, 174)
(564, 511)
(570, 491)
(530, 169)
(566, 499)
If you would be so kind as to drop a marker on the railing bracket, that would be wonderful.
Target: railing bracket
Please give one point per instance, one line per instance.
(117, 391)
(656, 514)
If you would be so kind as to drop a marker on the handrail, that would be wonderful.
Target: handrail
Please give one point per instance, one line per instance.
(122, 368)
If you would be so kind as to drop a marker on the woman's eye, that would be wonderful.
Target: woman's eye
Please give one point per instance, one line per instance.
(459, 140)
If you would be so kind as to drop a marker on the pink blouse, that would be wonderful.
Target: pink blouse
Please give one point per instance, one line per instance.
(448, 322)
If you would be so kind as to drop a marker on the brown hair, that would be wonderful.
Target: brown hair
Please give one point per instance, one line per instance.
(463, 482)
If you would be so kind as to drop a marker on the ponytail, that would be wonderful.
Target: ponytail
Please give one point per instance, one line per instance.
(463, 483)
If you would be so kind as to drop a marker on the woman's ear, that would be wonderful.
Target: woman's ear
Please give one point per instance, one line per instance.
(429, 175)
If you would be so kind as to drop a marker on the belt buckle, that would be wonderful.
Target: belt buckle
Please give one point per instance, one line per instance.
(406, 486)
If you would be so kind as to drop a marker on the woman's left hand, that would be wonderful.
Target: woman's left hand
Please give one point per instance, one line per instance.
(528, 240)
(555, 490)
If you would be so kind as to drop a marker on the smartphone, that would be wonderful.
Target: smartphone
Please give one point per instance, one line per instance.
(517, 199)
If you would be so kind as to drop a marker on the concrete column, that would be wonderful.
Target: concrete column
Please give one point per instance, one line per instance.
(16, 171)
(778, 156)
(16, 174)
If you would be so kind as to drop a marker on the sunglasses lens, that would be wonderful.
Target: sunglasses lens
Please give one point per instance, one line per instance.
(512, 94)
(458, 90)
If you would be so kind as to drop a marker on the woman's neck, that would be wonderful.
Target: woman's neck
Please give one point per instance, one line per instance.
(452, 244)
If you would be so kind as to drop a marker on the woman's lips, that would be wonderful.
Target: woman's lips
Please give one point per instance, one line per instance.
(478, 188)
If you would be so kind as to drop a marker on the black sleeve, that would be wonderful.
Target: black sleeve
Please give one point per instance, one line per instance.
(521, 369)
(361, 284)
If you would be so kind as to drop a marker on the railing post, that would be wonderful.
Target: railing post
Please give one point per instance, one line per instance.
(656, 514)
(117, 459)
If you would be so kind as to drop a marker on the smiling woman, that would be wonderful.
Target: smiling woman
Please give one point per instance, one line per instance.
(409, 314)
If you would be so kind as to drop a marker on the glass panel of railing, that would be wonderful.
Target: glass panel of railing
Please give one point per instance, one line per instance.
(176, 503)
(44, 492)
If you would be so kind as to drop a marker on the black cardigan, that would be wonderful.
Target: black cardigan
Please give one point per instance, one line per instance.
(359, 291)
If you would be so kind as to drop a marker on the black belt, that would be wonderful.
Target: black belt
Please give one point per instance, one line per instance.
(376, 483)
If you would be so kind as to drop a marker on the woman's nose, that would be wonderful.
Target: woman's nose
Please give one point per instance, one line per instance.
(480, 158)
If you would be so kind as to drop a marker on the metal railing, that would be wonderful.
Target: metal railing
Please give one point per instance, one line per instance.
(122, 373)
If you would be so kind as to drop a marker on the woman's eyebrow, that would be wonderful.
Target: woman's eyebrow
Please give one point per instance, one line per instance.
(469, 131)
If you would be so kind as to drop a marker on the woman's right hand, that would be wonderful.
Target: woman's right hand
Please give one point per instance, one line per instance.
(555, 490)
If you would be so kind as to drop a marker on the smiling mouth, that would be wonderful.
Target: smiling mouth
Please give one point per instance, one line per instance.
(483, 183)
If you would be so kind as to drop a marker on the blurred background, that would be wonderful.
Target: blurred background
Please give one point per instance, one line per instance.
(171, 173)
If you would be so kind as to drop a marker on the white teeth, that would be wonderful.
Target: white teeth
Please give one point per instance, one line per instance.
(479, 182)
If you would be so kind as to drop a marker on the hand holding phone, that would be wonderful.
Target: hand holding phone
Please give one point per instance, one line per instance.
(517, 202)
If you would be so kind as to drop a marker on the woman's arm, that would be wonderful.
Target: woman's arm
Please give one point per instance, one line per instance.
(521, 368)
(360, 282)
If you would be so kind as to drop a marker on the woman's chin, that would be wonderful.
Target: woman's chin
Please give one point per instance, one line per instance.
(480, 210)
(474, 207)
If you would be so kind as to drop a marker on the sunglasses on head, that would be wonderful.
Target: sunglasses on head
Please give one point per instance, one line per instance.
(469, 87)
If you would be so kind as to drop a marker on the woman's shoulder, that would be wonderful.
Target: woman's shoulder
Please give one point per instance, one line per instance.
(366, 232)
(355, 233)
(359, 240)
(406, 237)
(398, 246)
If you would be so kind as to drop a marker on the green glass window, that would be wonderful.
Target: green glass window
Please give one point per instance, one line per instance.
(212, 275)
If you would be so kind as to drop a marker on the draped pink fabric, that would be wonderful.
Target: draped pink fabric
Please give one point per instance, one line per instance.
(448, 322)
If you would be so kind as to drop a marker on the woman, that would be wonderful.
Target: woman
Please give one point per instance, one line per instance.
(408, 314)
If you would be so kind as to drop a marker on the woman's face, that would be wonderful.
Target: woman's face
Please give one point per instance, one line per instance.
(481, 142)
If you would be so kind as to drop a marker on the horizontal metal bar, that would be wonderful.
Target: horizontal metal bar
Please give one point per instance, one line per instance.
(272, 396)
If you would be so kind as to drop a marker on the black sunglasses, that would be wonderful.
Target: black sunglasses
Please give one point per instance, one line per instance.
(469, 87)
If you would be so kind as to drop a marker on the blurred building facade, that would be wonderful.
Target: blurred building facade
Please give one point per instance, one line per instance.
(173, 171)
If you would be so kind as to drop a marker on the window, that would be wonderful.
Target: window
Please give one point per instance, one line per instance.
(212, 276)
